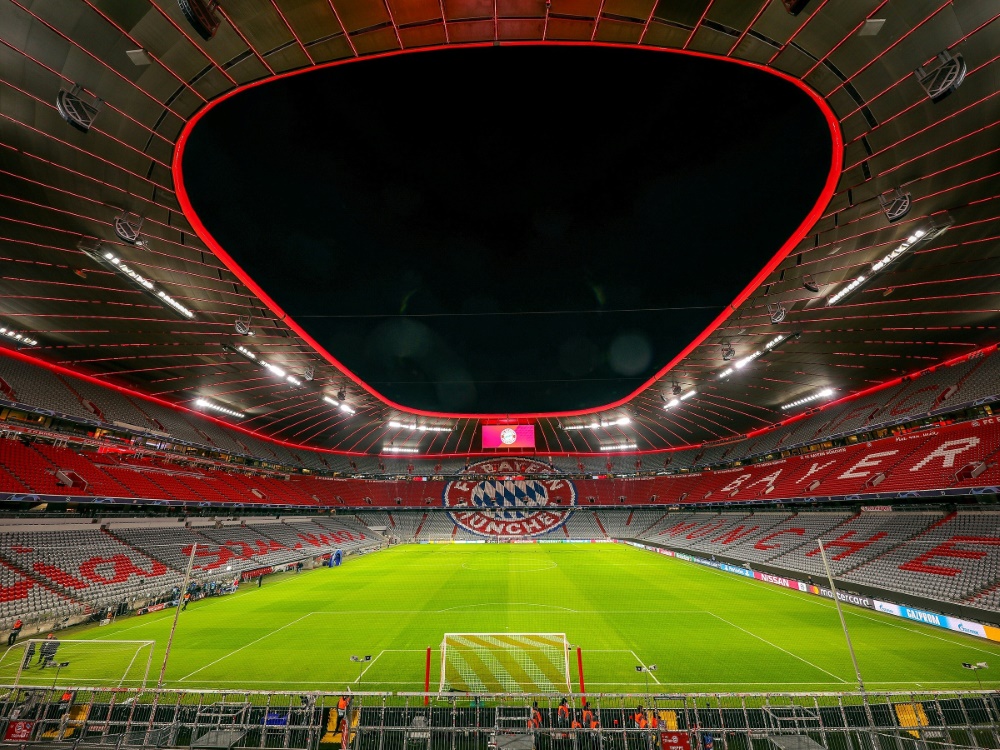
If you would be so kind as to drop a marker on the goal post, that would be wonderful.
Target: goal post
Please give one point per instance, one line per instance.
(505, 663)
(46, 662)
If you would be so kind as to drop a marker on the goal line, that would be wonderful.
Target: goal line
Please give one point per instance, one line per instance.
(505, 663)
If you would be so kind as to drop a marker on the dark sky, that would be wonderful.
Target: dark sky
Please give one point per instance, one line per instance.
(505, 229)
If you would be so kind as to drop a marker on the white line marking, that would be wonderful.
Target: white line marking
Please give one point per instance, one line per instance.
(370, 665)
(820, 602)
(644, 667)
(795, 656)
(236, 651)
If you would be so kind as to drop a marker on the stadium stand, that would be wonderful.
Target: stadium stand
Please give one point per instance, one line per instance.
(945, 388)
(86, 564)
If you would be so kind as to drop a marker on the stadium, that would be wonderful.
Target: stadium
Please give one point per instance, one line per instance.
(500, 374)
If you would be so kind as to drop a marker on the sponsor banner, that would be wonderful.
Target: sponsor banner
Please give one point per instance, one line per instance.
(932, 618)
(788, 583)
(745, 572)
(876, 508)
(675, 741)
(992, 633)
(18, 731)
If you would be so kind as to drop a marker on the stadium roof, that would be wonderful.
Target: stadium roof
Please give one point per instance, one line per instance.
(63, 189)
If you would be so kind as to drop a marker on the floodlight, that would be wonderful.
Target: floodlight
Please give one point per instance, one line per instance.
(776, 311)
(202, 16)
(76, 110)
(945, 78)
(895, 204)
(244, 325)
(127, 226)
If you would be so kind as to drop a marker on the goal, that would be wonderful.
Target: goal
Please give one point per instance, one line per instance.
(76, 663)
(505, 663)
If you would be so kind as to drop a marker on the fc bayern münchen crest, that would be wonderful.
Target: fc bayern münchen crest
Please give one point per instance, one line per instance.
(510, 507)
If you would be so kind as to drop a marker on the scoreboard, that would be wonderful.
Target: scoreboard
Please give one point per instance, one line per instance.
(508, 436)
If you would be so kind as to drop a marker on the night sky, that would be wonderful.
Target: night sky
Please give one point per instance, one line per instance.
(508, 229)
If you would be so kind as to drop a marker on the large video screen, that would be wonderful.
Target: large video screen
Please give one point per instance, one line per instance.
(508, 436)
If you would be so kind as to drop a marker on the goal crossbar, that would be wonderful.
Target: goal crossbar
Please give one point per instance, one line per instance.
(505, 663)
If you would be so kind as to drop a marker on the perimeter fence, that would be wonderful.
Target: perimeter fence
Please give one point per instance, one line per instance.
(85, 717)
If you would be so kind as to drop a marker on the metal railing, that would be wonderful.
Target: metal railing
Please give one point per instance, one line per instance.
(416, 721)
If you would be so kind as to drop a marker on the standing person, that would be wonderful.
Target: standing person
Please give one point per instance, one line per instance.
(562, 713)
(187, 598)
(587, 714)
(341, 708)
(15, 631)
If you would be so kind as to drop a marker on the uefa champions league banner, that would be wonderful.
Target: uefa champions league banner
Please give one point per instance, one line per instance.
(897, 610)
(932, 618)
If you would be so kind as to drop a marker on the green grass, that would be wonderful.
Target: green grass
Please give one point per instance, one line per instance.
(704, 629)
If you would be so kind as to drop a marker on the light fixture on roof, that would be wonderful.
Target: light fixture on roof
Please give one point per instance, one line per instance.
(331, 401)
(19, 339)
(394, 449)
(809, 283)
(127, 226)
(309, 373)
(247, 353)
(110, 260)
(75, 109)
(202, 16)
(273, 369)
(342, 394)
(244, 325)
(776, 311)
(293, 380)
(206, 404)
(895, 204)
(825, 393)
(619, 447)
(671, 403)
(927, 230)
(943, 80)
(347, 408)
(741, 363)
(727, 351)
(676, 388)
(173, 303)
(599, 424)
(688, 395)
(419, 427)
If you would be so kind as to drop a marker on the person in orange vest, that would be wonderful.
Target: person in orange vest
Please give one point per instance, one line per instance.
(342, 708)
(535, 720)
(15, 630)
(587, 713)
(639, 717)
(654, 721)
(563, 713)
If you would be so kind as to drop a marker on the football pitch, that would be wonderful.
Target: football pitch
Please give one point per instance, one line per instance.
(705, 630)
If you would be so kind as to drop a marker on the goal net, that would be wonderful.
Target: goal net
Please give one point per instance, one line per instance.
(46, 662)
(505, 663)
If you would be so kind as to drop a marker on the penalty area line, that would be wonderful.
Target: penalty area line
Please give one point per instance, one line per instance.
(370, 665)
(774, 645)
(645, 667)
(248, 645)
